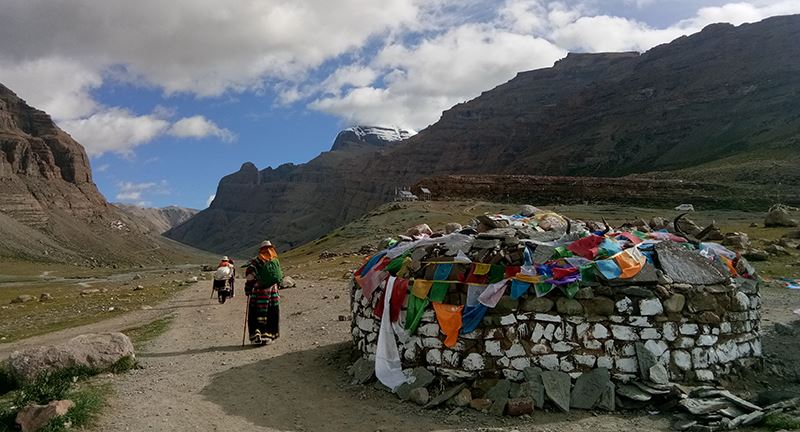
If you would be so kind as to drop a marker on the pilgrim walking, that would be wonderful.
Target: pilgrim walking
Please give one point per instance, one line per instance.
(263, 274)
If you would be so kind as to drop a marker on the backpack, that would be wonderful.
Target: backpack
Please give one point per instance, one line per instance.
(268, 273)
(223, 273)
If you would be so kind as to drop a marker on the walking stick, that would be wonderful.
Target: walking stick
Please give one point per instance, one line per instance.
(246, 314)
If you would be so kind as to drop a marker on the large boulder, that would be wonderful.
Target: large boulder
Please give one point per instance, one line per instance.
(93, 352)
(779, 216)
(34, 417)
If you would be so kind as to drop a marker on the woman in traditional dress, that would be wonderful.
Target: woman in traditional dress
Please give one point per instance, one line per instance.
(263, 275)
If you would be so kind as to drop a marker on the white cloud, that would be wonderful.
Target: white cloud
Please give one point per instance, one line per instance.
(56, 85)
(210, 199)
(102, 168)
(132, 193)
(114, 130)
(431, 54)
(200, 46)
(424, 79)
(199, 127)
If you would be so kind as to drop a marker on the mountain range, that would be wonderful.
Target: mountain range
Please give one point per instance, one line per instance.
(720, 106)
(51, 210)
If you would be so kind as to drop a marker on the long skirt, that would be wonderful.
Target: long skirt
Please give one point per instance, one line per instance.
(264, 316)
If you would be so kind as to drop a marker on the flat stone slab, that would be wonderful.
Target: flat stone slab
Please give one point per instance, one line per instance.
(633, 393)
(646, 360)
(557, 386)
(362, 371)
(533, 386)
(446, 395)
(685, 266)
(589, 387)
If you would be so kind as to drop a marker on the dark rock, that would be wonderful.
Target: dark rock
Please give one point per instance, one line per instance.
(589, 387)
(584, 293)
(446, 396)
(362, 371)
(419, 396)
(708, 317)
(542, 253)
(461, 399)
(756, 255)
(635, 291)
(533, 386)
(519, 407)
(598, 306)
(684, 266)
(24, 298)
(702, 300)
(500, 391)
(568, 306)
(557, 388)
(647, 276)
(632, 392)
(608, 398)
(747, 286)
(419, 377)
(537, 304)
(480, 404)
(658, 374)
(776, 250)
(646, 360)
(736, 240)
(674, 303)
(506, 305)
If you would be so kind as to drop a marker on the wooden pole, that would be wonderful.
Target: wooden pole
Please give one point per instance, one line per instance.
(246, 315)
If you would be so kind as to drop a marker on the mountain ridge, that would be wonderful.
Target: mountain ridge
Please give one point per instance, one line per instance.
(710, 96)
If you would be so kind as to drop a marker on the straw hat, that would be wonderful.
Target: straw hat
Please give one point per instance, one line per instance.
(266, 243)
(225, 258)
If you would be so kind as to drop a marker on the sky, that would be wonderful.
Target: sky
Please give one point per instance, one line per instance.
(168, 97)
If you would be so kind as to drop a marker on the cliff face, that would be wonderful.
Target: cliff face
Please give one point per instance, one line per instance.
(50, 210)
(717, 100)
(41, 166)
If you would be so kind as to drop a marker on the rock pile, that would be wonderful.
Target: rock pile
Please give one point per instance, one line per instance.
(559, 310)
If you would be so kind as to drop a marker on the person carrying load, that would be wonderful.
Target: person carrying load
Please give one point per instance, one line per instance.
(263, 275)
(225, 274)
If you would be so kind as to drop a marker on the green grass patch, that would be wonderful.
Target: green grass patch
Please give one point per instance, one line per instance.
(778, 421)
(143, 334)
(89, 402)
(69, 384)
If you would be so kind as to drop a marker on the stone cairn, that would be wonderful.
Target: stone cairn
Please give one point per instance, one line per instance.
(690, 314)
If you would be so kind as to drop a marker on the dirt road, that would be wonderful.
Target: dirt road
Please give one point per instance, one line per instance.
(197, 376)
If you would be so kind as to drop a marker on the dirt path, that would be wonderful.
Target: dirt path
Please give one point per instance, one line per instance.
(197, 377)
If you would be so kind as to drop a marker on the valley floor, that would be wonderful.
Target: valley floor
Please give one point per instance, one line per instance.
(196, 376)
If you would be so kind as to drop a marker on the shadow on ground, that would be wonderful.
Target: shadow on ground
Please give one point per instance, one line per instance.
(309, 390)
(230, 348)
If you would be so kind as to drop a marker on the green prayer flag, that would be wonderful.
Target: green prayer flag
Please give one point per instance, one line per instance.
(542, 289)
(416, 308)
(438, 292)
(570, 290)
(496, 273)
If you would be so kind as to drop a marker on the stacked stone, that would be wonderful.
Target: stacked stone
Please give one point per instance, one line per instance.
(697, 332)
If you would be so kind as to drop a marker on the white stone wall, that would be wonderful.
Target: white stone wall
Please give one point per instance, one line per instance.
(697, 333)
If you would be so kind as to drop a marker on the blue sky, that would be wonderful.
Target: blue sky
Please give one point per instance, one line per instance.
(168, 97)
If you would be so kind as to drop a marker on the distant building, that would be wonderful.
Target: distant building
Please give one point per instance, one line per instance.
(405, 195)
(425, 193)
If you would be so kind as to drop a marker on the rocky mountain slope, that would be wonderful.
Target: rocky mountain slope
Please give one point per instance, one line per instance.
(49, 207)
(159, 219)
(725, 99)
